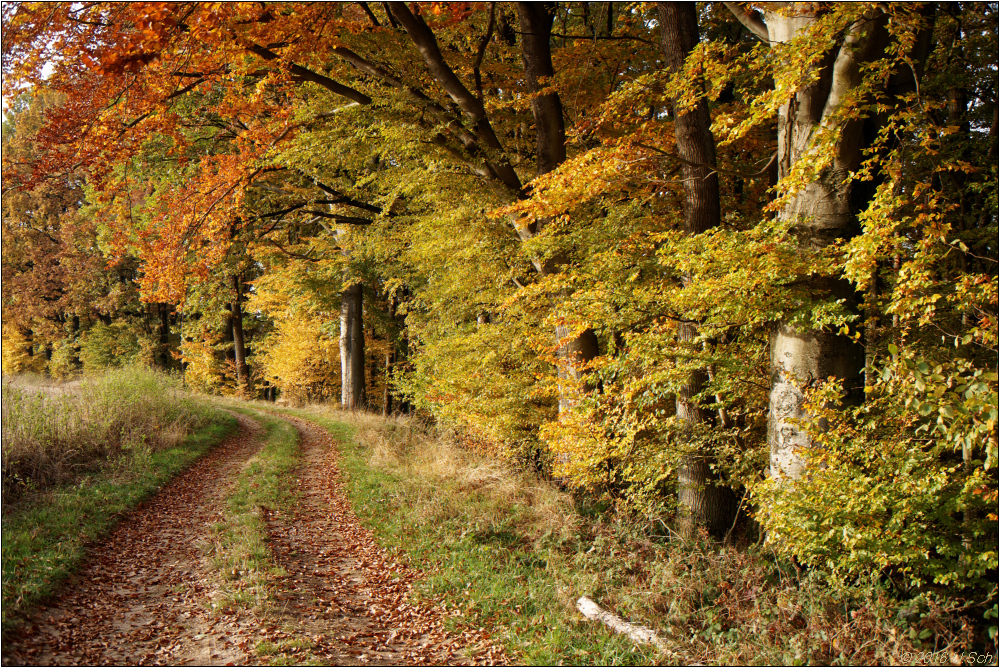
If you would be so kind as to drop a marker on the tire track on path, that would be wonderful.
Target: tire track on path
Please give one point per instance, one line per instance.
(343, 596)
(142, 597)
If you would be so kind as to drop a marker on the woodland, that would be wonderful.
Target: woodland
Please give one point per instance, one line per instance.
(728, 266)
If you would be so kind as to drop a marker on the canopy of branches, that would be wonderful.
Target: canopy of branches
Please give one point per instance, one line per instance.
(613, 241)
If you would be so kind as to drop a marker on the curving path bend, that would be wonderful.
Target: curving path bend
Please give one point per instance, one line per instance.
(145, 595)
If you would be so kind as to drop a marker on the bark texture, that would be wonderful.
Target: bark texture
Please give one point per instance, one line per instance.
(352, 348)
(239, 340)
(823, 212)
(535, 20)
(692, 127)
(703, 501)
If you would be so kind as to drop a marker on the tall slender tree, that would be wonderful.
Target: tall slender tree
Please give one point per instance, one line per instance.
(704, 500)
(822, 139)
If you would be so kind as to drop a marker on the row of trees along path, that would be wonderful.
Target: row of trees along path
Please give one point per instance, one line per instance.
(147, 594)
(745, 259)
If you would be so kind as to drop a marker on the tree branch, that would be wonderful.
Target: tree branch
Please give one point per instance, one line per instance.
(308, 75)
(426, 44)
(342, 198)
(297, 256)
(340, 220)
(720, 170)
(750, 20)
(392, 20)
(371, 15)
(614, 38)
(482, 50)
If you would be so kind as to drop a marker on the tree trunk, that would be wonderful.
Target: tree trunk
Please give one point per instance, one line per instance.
(163, 333)
(75, 359)
(535, 21)
(395, 354)
(372, 378)
(390, 362)
(239, 342)
(401, 359)
(352, 348)
(822, 212)
(703, 501)
(574, 352)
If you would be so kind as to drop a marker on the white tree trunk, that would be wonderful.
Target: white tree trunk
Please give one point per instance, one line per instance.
(822, 212)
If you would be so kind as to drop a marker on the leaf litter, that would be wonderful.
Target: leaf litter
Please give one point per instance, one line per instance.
(145, 594)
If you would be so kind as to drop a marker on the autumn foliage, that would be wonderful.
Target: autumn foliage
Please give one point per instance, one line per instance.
(508, 184)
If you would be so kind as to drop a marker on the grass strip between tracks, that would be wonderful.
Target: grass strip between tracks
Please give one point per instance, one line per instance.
(239, 552)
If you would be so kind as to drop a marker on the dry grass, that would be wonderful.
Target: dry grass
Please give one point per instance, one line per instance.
(444, 474)
(53, 432)
(518, 553)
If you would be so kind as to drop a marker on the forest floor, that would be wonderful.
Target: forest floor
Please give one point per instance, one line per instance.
(149, 594)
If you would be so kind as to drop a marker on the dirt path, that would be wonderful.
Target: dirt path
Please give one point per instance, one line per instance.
(141, 596)
(144, 596)
(343, 593)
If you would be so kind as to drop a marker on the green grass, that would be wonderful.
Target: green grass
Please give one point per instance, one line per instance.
(45, 540)
(239, 552)
(512, 554)
(487, 549)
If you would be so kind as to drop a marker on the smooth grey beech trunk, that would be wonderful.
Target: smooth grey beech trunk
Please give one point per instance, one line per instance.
(826, 209)
(352, 348)
(822, 212)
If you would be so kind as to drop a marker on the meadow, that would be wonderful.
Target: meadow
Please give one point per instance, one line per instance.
(77, 456)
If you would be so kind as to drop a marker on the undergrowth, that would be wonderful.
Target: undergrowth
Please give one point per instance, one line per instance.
(46, 531)
(53, 434)
(515, 554)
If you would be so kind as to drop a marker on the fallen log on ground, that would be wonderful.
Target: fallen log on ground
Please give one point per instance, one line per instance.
(638, 634)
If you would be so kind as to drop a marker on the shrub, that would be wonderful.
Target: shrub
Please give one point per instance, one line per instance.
(65, 360)
(904, 485)
(108, 346)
